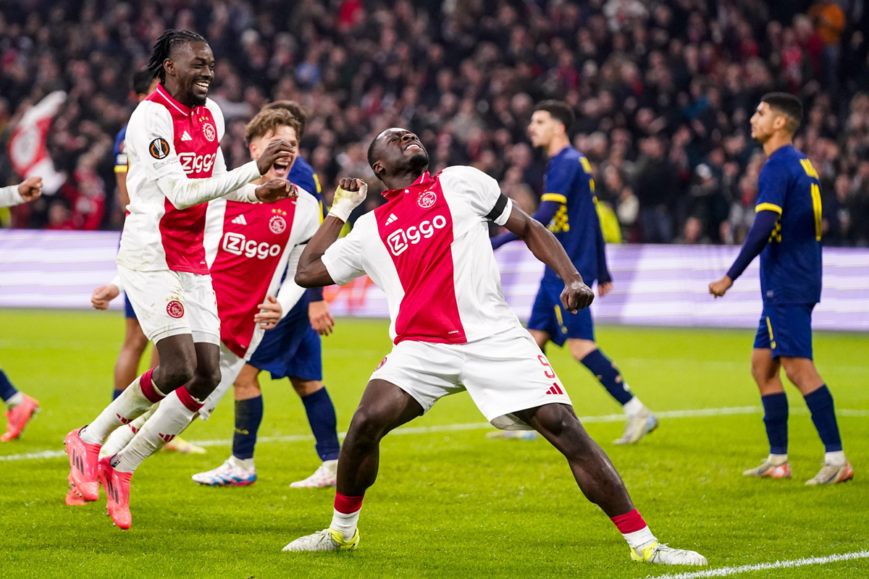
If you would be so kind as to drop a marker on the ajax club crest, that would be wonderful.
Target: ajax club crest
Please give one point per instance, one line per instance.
(277, 224)
(209, 132)
(427, 199)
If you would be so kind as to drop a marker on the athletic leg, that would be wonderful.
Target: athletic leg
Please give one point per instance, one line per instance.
(601, 484)
(384, 407)
(803, 374)
(127, 365)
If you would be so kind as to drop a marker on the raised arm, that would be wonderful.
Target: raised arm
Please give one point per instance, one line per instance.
(546, 248)
(312, 271)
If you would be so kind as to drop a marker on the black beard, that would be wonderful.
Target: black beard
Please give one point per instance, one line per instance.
(419, 161)
(195, 99)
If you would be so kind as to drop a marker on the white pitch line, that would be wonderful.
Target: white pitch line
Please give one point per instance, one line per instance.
(606, 418)
(725, 571)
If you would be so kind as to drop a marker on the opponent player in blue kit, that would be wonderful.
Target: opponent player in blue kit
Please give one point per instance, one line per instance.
(291, 350)
(787, 234)
(568, 206)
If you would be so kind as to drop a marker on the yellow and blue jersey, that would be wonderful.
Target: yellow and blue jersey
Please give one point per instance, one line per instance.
(790, 264)
(576, 225)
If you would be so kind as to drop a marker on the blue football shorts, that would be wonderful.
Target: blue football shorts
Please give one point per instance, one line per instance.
(548, 315)
(786, 329)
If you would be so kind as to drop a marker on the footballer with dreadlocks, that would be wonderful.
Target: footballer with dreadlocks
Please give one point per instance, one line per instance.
(175, 167)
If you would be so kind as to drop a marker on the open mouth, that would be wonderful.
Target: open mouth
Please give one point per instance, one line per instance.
(203, 84)
(413, 147)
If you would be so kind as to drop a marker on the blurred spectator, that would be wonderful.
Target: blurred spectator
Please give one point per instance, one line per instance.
(659, 89)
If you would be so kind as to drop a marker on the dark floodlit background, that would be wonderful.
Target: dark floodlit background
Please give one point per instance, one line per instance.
(663, 91)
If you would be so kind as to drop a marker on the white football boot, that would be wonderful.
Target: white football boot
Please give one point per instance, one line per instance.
(664, 555)
(232, 473)
(326, 475)
(325, 540)
(638, 426)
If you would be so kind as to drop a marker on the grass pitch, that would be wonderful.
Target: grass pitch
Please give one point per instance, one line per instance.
(448, 502)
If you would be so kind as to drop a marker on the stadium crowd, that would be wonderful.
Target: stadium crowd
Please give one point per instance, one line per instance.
(663, 91)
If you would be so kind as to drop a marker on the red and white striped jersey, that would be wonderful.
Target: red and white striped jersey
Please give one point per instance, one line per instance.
(248, 247)
(428, 249)
(175, 167)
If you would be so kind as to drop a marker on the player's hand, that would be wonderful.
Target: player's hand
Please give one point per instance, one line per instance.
(103, 295)
(576, 296)
(30, 189)
(349, 195)
(321, 318)
(604, 288)
(277, 152)
(276, 190)
(270, 313)
(720, 287)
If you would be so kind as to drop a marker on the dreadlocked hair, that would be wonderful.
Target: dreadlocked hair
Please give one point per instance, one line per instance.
(164, 46)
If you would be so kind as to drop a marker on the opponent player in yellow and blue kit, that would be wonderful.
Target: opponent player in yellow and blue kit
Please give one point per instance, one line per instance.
(569, 209)
(787, 234)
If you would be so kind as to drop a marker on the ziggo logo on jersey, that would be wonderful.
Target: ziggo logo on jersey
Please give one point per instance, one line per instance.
(398, 241)
(192, 163)
(238, 244)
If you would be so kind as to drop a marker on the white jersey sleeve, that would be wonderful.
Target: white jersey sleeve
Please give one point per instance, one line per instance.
(305, 225)
(9, 196)
(246, 193)
(343, 259)
(151, 135)
(480, 191)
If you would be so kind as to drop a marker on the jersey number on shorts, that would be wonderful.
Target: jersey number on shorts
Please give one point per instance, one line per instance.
(548, 372)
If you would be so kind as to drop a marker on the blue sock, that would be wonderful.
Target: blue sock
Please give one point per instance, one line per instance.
(7, 390)
(115, 394)
(324, 423)
(775, 418)
(605, 371)
(820, 403)
(248, 416)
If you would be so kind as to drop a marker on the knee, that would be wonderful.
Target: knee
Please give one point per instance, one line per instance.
(245, 389)
(796, 374)
(555, 419)
(306, 387)
(367, 427)
(176, 375)
(136, 342)
(210, 375)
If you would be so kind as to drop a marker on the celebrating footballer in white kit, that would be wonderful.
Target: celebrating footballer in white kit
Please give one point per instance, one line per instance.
(248, 247)
(175, 167)
(427, 247)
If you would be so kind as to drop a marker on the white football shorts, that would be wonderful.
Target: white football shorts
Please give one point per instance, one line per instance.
(503, 374)
(170, 303)
(230, 366)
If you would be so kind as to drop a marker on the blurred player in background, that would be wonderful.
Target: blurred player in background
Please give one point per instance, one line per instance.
(135, 342)
(787, 234)
(292, 350)
(568, 207)
(176, 167)
(428, 248)
(19, 406)
(248, 248)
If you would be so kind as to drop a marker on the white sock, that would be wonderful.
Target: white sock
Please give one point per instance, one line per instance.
(639, 539)
(332, 465)
(835, 458)
(243, 463)
(170, 419)
(633, 406)
(777, 459)
(14, 400)
(122, 436)
(345, 523)
(130, 405)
